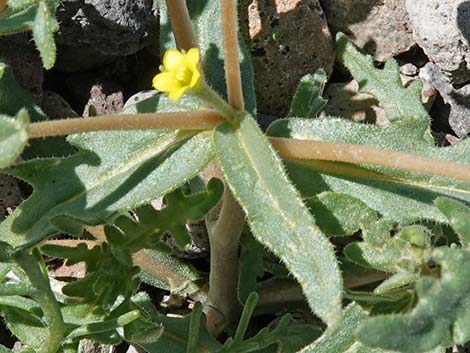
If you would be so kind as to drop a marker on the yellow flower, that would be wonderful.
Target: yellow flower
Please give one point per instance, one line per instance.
(179, 73)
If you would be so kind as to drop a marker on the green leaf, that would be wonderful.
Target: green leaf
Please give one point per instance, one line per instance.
(206, 18)
(398, 102)
(398, 195)
(406, 252)
(183, 281)
(13, 137)
(343, 339)
(39, 17)
(277, 216)
(43, 33)
(112, 171)
(459, 217)
(308, 101)
(174, 337)
(441, 317)
(13, 98)
(16, 22)
(339, 214)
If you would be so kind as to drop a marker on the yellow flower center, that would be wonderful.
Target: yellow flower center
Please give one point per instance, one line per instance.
(184, 76)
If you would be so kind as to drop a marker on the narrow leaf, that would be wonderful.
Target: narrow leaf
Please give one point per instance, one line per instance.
(43, 28)
(277, 216)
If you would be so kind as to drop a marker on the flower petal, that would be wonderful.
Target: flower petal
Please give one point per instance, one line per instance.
(165, 82)
(173, 59)
(192, 57)
(195, 77)
(176, 94)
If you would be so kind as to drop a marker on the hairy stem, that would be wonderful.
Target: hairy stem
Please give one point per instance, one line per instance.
(197, 120)
(287, 148)
(44, 296)
(181, 24)
(232, 63)
(223, 306)
(358, 154)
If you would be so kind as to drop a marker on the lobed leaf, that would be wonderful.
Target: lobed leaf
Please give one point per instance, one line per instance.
(441, 316)
(398, 102)
(277, 216)
(112, 171)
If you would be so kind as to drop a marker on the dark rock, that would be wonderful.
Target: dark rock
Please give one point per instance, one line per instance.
(19, 52)
(288, 39)
(10, 195)
(56, 107)
(95, 32)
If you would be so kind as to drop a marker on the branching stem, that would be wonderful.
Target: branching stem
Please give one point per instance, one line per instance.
(44, 296)
(223, 306)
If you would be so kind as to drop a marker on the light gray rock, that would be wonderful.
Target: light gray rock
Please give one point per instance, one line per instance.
(94, 32)
(442, 28)
(287, 39)
(380, 27)
(458, 101)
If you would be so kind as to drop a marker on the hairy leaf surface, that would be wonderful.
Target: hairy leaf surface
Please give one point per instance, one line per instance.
(398, 195)
(277, 216)
(112, 171)
(343, 338)
(442, 315)
(308, 101)
(13, 137)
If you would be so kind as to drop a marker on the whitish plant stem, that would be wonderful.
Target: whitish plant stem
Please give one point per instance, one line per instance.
(181, 24)
(44, 296)
(358, 154)
(196, 120)
(231, 58)
(223, 306)
(287, 148)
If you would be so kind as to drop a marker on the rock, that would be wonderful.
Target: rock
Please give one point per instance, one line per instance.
(10, 195)
(408, 69)
(457, 101)
(381, 28)
(442, 29)
(287, 39)
(19, 52)
(95, 32)
(56, 107)
(88, 346)
(98, 95)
